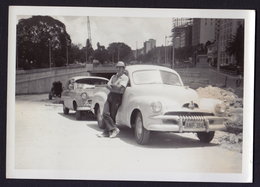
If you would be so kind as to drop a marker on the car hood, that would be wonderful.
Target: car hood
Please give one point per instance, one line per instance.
(167, 93)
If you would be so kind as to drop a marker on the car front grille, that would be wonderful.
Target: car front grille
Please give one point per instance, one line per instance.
(187, 116)
(195, 114)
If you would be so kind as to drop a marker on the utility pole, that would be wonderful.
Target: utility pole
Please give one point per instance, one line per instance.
(89, 38)
(86, 51)
(49, 52)
(113, 56)
(118, 52)
(159, 51)
(89, 30)
(136, 52)
(165, 50)
(218, 49)
(173, 50)
(67, 52)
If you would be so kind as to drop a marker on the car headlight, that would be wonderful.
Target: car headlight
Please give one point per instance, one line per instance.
(156, 106)
(84, 96)
(220, 108)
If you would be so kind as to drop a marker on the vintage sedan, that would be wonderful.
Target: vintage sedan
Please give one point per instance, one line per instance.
(156, 100)
(78, 92)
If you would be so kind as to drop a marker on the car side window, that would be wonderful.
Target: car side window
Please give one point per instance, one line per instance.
(170, 78)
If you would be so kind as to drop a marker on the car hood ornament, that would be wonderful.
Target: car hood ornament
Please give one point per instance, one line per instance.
(191, 105)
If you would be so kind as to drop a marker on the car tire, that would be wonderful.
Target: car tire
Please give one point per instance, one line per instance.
(65, 110)
(141, 134)
(99, 117)
(206, 137)
(50, 96)
(78, 115)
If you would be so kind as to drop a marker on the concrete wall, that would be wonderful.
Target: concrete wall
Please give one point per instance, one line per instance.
(40, 81)
(202, 77)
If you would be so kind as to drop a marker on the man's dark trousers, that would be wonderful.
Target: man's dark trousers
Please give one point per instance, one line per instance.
(109, 115)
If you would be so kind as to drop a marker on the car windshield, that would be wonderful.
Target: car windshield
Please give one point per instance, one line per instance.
(89, 82)
(156, 77)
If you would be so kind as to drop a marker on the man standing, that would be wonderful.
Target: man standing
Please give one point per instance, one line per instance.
(116, 85)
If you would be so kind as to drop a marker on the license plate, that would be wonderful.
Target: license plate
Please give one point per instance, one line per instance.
(194, 124)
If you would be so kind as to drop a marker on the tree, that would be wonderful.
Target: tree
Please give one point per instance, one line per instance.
(101, 54)
(76, 54)
(41, 39)
(184, 53)
(236, 47)
(119, 51)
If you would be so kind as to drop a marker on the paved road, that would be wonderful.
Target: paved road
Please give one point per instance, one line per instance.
(47, 139)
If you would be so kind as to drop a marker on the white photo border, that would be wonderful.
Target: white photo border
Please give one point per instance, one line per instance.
(249, 49)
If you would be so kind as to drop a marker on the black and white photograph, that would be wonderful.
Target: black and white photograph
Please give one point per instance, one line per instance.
(130, 94)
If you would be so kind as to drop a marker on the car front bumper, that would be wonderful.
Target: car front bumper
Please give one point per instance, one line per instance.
(205, 124)
(84, 108)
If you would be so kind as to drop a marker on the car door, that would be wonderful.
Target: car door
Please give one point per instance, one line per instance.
(123, 111)
(68, 94)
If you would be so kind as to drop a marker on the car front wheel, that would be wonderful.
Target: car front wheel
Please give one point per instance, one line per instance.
(206, 137)
(141, 134)
(78, 115)
(50, 96)
(99, 119)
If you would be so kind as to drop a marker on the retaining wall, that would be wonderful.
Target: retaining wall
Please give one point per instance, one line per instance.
(40, 81)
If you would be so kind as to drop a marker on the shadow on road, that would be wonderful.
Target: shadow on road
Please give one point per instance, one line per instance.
(86, 116)
(157, 139)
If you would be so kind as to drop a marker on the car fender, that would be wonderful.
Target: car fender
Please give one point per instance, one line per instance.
(100, 99)
(208, 104)
(141, 103)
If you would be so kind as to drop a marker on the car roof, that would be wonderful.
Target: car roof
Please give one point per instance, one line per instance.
(132, 68)
(88, 77)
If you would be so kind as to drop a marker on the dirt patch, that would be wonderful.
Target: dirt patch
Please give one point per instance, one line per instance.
(233, 103)
(230, 141)
(232, 138)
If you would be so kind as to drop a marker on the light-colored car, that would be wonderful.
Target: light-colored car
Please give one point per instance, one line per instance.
(78, 92)
(156, 100)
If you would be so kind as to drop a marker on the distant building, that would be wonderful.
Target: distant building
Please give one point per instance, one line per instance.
(182, 32)
(227, 29)
(149, 45)
(203, 30)
(177, 42)
(186, 37)
(181, 22)
(193, 31)
(212, 53)
(138, 52)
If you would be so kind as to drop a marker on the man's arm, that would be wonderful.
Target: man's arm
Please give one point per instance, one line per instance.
(123, 84)
(114, 87)
(119, 88)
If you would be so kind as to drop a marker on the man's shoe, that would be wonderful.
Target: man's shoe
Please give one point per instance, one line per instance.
(103, 135)
(114, 133)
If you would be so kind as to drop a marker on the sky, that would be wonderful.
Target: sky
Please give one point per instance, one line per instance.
(105, 30)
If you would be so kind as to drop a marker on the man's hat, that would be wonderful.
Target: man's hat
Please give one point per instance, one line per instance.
(120, 64)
